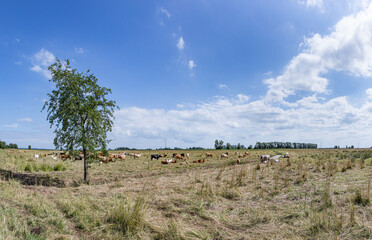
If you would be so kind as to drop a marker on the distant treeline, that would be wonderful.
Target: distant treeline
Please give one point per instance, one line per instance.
(3, 145)
(271, 145)
(218, 144)
(175, 148)
(124, 148)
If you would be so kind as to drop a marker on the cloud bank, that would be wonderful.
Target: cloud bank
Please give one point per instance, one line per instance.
(314, 118)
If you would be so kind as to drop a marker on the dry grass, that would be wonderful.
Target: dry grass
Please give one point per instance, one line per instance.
(309, 196)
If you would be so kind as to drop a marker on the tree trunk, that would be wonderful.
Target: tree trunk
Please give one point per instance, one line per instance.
(85, 165)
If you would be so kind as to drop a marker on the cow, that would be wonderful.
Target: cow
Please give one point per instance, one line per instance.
(264, 158)
(137, 155)
(225, 155)
(246, 153)
(36, 156)
(237, 161)
(241, 156)
(207, 154)
(167, 161)
(286, 155)
(175, 154)
(199, 161)
(157, 156)
(178, 156)
(106, 159)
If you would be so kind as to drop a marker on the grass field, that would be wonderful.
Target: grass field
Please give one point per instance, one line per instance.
(315, 194)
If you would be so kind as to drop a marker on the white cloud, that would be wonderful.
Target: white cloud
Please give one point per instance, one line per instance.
(312, 3)
(165, 12)
(180, 43)
(237, 119)
(348, 48)
(79, 50)
(335, 121)
(17, 40)
(191, 64)
(41, 61)
(222, 86)
(369, 93)
(24, 120)
(13, 125)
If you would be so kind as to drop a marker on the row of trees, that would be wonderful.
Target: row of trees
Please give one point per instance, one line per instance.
(271, 145)
(219, 144)
(3, 145)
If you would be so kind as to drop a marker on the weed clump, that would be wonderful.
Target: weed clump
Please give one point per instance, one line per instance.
(129, 218)
(359, 199)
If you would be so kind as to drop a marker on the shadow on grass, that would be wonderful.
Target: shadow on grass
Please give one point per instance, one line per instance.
(32, 179)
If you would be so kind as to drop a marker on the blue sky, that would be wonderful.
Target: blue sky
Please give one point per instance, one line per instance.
(194, 71)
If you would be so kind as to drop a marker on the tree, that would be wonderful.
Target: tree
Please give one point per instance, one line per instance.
(80, 111)
(29, 147)
(2, 145)
(228, 146)
(218, 144)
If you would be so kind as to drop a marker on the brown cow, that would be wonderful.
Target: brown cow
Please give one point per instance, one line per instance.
(237, 161)
(199, 161)
(207, 154)
(178, 156)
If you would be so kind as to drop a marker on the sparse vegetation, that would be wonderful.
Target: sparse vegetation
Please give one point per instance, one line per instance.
(310, 196)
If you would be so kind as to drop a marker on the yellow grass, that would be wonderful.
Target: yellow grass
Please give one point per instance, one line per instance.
(309, 196)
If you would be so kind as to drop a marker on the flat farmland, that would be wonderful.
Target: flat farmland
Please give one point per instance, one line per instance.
(313, 194)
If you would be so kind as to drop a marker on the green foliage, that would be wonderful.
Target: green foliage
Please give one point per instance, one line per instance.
(79, 109)
(3, 145)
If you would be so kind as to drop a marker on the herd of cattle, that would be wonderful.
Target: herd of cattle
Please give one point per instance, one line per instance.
(175, 157)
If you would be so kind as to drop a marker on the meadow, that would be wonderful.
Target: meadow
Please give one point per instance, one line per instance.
(314, 194)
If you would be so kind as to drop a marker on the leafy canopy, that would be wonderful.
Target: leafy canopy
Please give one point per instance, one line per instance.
(79, 109)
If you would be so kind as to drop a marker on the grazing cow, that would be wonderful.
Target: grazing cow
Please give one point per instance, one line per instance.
(246, 153)
(225, 155)
(237, 161)
(207, 154)
(264, 158)
(187, 155)
(241, 156)
(137, 155)
(286, 155)
(178, 156)
(199, 161)
(157, 156)
(36, 156)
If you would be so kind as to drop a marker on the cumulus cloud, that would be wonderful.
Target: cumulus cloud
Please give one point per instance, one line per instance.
(240, 120)
(369, 93)
(41, 60)
(347, 48)
(312, 118)
(180, 43)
